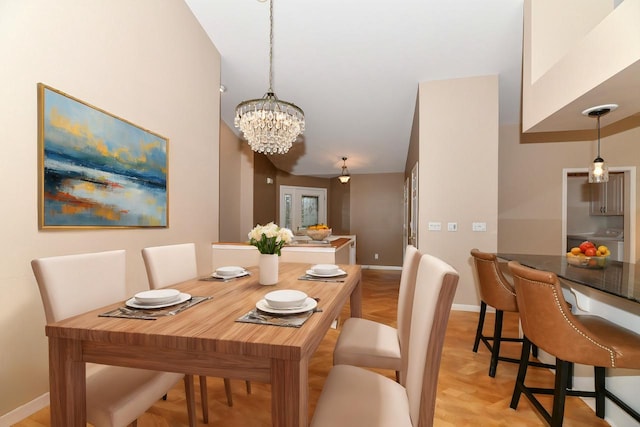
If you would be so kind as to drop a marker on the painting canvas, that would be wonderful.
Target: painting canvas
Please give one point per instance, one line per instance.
(98, 170)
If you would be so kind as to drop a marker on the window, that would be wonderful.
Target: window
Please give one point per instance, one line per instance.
(301, 207)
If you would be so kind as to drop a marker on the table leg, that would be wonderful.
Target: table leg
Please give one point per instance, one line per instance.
(355, 300)
(67, 383)
(289, 393)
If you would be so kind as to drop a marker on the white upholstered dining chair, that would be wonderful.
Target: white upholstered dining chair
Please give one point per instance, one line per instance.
(171, 264)
(371, 344)
(358, 397)
(74, 284)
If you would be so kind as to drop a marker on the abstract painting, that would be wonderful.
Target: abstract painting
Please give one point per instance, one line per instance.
(97, 170)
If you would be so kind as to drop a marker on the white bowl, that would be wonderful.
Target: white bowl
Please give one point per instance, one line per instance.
(285, 298)
(157, 296)
(325, 269)
(229, 271)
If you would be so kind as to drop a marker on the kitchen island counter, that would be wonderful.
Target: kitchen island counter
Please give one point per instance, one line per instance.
(336, 250)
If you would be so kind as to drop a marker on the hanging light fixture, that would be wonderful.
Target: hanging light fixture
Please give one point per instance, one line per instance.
(268, 124)
(598, 171)
(344, 176)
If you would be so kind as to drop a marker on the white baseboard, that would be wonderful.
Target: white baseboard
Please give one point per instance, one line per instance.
(24, 411)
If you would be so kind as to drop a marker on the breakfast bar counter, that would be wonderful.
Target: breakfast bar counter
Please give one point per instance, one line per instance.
(619, 279)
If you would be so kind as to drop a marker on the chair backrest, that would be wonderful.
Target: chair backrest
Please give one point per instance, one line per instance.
(547, 320)
(494, 288)
(171, 264)
(74, 284)
(436, 284)
(405, 300)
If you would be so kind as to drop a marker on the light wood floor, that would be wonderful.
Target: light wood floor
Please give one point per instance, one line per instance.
(467, 396)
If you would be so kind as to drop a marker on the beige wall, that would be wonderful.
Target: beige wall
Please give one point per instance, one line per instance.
(265, 196)
(530, 219)
(146, 61)
(458, 172)
(376, 217)
(339, 215)
(236, 186)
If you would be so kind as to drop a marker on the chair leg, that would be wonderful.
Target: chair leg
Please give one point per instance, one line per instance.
(248, 384)
(522, 373)
(204, 398)
(191, 399)
(534, 350)
(227, 389)
(495, 349)
(560, 392)
(483, 311)
(599, 383)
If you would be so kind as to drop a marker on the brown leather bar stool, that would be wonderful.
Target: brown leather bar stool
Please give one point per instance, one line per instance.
(497, 292)
(548, 322)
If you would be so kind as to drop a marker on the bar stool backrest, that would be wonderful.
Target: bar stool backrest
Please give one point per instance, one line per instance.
(547, 320)
(494, 288)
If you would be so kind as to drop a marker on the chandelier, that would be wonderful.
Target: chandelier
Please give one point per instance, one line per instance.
(598, 171)
(269, 125)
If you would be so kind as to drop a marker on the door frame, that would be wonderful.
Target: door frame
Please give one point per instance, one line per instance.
(629, 207)
(299, 190)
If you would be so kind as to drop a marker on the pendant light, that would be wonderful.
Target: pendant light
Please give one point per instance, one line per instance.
(598, 171)
(270, 125)
(344, 176)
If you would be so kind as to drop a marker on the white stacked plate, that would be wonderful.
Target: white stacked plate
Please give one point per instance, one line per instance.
(157, 298)
(286, 301)
(326, 270)
(229, 272)
(309, 304)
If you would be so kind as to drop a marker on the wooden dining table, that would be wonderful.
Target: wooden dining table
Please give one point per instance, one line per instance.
(205, 339)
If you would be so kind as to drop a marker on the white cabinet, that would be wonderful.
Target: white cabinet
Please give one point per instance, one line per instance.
(608, 198)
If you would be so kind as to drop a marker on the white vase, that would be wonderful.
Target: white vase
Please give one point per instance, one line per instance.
(268, 269)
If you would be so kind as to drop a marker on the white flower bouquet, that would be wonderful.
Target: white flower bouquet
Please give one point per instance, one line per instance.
(270, 238)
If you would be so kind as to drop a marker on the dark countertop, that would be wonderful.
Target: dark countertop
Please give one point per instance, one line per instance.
(620, 279)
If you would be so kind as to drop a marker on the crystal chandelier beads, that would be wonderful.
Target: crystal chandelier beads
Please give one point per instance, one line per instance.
(270, 126)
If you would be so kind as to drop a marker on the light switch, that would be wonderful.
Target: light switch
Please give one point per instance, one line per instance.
(479, 226)
(435, 226)
(452, 226)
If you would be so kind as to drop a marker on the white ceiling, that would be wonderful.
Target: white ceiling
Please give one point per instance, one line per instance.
(354, 67)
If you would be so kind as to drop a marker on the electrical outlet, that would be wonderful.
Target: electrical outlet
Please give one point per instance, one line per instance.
(375, 256)
(452, 226)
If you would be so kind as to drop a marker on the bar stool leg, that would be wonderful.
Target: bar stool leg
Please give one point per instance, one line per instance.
(560, 392)
(599, 382)
(495, 348)
(522, 372)
(483, 311)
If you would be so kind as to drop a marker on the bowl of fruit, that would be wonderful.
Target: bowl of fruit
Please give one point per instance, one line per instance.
(318, 231)
(588, 255)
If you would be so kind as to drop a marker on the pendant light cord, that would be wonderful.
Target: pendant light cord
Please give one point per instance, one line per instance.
(271, 46)
(598, 135)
